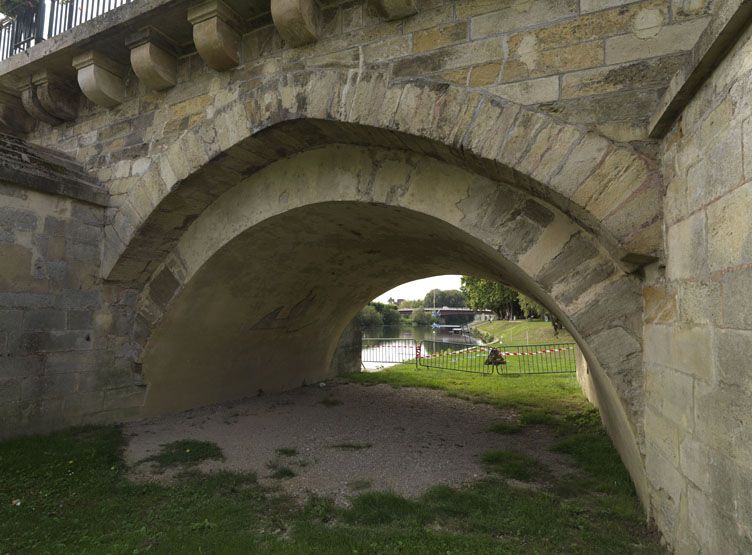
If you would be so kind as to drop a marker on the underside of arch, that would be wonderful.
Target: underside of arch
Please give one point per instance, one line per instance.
(610, 190)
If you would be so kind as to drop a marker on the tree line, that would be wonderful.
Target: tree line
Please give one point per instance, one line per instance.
(475, 293)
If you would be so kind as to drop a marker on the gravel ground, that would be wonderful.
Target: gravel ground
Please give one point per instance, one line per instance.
(403, 440)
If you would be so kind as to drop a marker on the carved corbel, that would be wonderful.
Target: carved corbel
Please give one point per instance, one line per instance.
(216, 33)
(13, 118)
(50, 98)
(153, 59)
(57, 95)
(100, 79)
(33, 107)
(397, 9)
(296, 20)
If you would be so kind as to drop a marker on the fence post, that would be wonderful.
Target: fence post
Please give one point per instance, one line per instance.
(417, 353)
(39, 32)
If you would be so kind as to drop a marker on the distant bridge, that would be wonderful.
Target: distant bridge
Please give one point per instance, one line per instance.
(448, 311)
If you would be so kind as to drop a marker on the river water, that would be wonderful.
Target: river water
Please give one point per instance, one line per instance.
(389, 345)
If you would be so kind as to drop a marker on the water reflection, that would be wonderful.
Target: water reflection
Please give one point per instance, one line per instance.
(399, 346)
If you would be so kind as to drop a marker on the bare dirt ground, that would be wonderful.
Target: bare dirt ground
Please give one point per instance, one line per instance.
(348, 439)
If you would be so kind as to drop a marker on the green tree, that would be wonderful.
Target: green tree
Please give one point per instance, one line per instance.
(421, 317)
(531, 308)
(449, 297)
(369, 317)
(411, 304)
(484, 294)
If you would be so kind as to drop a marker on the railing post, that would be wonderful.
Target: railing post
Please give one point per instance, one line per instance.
(39, 32)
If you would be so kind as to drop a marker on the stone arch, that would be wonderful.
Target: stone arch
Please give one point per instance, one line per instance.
(237, 287)
(612, 191)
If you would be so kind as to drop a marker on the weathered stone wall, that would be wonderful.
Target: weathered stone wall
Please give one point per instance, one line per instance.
(600, 63)
(346, 356)
(698, 322)
(63, 336)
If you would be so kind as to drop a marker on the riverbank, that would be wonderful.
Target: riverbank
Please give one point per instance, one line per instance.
(521, 332)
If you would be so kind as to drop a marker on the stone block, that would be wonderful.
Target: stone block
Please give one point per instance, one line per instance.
(695, 462)
(437, 37)
(124, 398)
(450, 57)
(662, 435)
(670, 393)
(603, 80)
(736, 302)
(44, 319)
(80, 319)
(17, 219)
(534, 91)
(10, 391)
(660, 304)
(699, 302)
(687, 248)
(668, 40)
(733, 348)
(692, 350)
(730, 230)
(521, 15)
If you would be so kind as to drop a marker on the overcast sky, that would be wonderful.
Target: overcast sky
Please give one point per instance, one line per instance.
(417, 289)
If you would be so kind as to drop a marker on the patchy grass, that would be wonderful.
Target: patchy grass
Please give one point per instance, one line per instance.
(186, 453)
(286, 451)
(511, 464)
(330, 401)
(351, 446)
(280, 471)
(74, 497)
(507, 428)
(359, 485)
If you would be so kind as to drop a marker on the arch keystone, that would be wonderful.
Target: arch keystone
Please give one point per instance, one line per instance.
(295, 20)
(100, 78)
(153, 59)
(216, 33)
(397, 9)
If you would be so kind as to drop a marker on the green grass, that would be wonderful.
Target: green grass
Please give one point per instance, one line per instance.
(75, 497)
(522, 332)
(185, 453)
(280, 471)
(286, 451)
(513, 465)
(507, 428)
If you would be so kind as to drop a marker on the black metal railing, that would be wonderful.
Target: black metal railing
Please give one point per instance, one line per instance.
(465, 357)
(50, 17)
(503, 360)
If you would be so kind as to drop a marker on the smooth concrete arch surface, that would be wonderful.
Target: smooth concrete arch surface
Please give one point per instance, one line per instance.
(609, 189)
(259, 287)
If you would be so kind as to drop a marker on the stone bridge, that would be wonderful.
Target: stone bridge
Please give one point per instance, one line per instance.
(194, 196)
